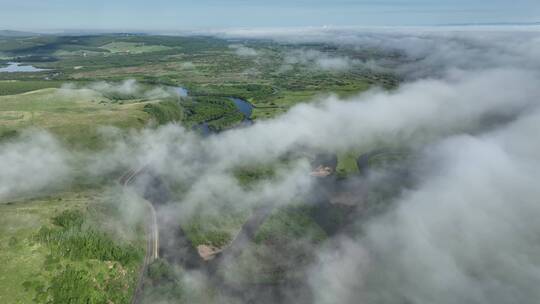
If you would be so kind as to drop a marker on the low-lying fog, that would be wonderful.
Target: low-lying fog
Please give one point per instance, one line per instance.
(467, 231)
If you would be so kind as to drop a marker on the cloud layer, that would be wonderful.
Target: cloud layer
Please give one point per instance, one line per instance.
(465, 232)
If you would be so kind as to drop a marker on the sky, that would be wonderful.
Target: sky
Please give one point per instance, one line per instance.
(180, 14)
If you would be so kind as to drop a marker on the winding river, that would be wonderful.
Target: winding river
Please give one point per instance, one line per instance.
(243, 106)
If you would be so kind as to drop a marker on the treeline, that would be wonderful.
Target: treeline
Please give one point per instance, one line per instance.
(244, 91)
(165, 111)
(226, 121)
(218, 112)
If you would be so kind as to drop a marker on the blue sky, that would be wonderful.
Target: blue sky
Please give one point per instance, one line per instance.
(178, 15)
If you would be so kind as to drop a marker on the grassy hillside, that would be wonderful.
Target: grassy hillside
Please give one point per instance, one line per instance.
(76, 116)
(57, 247)
(12, 87)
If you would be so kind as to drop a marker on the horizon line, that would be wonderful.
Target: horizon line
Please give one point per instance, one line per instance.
(214, 29)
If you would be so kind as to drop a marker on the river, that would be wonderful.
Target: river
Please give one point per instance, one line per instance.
(243, 106)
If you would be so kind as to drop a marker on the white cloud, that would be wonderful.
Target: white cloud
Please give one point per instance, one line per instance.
(35, 162)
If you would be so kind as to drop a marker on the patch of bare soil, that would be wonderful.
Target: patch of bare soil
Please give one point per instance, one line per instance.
(322, 171)
(208, 252)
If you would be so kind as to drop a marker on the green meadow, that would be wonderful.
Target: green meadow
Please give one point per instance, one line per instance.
(55, 247)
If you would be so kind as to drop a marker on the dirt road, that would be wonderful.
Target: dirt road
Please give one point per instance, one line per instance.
(152, 235)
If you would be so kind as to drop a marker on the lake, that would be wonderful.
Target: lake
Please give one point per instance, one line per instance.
(15, 67)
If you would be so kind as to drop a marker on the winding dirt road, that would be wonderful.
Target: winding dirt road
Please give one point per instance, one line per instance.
(152, 236)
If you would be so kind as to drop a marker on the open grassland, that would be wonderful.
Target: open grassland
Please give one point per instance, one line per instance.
(76, 116)
(12, 87)
(23, 258)
(53, 251)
